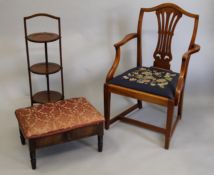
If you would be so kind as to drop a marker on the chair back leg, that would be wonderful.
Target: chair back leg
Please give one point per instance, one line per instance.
(140, 104)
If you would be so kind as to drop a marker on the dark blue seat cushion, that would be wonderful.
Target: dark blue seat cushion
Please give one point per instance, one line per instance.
(149, 79)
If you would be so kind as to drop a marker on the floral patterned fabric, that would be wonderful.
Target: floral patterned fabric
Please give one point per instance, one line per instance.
(61, 116)
(149, 79)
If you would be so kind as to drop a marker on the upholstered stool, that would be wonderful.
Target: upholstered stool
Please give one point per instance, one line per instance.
(59, 122)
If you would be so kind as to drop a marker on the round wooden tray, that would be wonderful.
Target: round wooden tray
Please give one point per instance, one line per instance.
(41, 68)
(44, 97)
(43, 37)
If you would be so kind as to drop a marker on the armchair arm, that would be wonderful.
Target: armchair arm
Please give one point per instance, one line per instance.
(195, 48)
(184, 66)
(117, 56)
(126, 39)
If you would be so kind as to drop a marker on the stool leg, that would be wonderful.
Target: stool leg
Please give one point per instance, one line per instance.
(32, 150)
(22, 137)
(100, 143)
(107, 104)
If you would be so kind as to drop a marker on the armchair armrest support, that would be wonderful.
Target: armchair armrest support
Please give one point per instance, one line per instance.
(184, 66)
(117, 56)
(114, 65)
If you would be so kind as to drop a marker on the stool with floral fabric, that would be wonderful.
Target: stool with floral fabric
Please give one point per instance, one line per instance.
(58, 122)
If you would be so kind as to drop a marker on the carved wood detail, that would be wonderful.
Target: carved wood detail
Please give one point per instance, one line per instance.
(167, 21)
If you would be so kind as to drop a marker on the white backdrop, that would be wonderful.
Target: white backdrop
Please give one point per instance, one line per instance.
(89, 30)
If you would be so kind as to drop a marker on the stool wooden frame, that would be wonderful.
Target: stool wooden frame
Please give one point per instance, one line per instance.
(164, 39)
(75, 134)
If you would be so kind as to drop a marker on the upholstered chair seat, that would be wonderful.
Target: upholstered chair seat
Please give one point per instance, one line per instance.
(149, 79)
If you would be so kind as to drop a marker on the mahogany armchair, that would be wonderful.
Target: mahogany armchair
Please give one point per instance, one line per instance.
(157, 84)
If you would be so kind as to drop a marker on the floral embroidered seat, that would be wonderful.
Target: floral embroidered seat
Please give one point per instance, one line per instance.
(58, 122)
(149, 79)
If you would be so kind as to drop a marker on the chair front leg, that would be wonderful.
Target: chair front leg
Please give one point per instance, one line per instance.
(170, 109)
(180, 105)
(107, 103)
